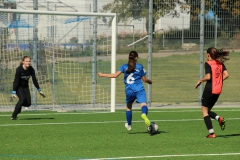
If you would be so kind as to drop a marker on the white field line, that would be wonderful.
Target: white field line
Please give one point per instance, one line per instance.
(170, 111)
(47, 114)
(104, 122)
(199, 110)
(164, 156)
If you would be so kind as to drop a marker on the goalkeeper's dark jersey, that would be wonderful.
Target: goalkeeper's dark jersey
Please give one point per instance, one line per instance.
(22, 76)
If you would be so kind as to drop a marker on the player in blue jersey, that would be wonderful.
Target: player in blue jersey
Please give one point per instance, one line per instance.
(134, 74)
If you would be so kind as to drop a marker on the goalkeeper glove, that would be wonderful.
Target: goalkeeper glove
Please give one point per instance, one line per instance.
(41, 93)
(13, 96)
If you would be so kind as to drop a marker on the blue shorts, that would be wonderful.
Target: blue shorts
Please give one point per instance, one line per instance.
(139, 96)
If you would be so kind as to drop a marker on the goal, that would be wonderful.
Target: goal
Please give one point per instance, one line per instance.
(66, 51)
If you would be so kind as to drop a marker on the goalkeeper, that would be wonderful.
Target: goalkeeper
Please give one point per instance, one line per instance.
(21, 87)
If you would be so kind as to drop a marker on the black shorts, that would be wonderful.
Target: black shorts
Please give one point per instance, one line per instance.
(24, 97)
(209, 99)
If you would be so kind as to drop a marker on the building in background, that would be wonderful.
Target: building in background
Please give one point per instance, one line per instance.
(82, 30)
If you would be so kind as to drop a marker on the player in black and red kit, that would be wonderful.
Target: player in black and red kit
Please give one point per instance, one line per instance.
(215, 74)
(21, 87)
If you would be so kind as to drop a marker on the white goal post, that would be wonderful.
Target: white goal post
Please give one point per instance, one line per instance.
(113, 36)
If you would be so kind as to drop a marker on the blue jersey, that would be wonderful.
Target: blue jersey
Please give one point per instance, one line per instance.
(133, 80)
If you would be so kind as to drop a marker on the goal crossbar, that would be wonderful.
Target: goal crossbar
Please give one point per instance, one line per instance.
(113, 42)
(57, 13)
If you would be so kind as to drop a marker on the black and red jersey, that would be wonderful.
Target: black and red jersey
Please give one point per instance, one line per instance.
(215, 68)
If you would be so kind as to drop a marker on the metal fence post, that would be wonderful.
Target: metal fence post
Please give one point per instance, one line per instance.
(216, 25)
(94, 58)
(182, 31)
(150, 30)
(201, 48)
(35, 49)
(53, 74)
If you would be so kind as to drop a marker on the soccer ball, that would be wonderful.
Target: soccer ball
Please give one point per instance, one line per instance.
(153, 128)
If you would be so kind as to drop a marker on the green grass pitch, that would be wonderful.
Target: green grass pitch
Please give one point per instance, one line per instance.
(77, 135)
(174, 78)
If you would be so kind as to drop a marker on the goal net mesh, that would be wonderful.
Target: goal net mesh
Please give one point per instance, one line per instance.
(66, 65)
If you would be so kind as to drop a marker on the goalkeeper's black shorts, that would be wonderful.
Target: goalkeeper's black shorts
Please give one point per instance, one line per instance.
(24, 97)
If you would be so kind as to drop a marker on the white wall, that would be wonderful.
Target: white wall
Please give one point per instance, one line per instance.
(81, 32)
(182, 21)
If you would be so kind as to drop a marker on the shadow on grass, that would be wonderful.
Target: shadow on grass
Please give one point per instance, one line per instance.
(36, 118)
(159, 132)
(228, 135)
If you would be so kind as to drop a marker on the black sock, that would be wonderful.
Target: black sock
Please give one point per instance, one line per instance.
(212, 114)
(208, 122)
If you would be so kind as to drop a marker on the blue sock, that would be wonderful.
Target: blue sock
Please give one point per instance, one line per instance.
(129, 117)
(144, 110)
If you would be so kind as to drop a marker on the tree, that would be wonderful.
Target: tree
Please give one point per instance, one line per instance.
(228, 12)
(139, 9)
(223, 8)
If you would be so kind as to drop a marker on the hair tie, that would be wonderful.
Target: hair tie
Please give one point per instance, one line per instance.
(131, 58)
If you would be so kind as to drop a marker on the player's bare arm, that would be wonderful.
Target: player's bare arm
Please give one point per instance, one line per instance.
(146, 80)
(204, 79)
(225, 75)
(111, 75)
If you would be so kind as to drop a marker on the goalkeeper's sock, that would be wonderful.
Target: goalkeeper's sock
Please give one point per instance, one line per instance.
(129, 117)
(144, 110)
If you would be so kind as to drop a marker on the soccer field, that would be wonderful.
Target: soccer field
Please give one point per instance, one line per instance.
(83, 135)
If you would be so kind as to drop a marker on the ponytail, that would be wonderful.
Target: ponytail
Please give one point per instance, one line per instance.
(132, 61)
(223, 55)
(218, 54)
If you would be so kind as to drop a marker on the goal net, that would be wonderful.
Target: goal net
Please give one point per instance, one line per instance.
(67, 50)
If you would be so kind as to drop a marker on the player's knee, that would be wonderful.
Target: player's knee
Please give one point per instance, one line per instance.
(21, 101)
(143, 104)
(27, 104)
(204, 111)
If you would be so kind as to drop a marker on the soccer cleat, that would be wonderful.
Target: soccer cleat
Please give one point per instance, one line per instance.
(147, 122)
(211, 135)
(129, 128)
(221, 122)
(13, 118)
